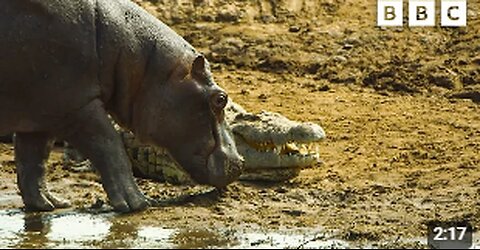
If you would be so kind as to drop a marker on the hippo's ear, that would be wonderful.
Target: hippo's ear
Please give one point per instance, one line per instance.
(200, 67)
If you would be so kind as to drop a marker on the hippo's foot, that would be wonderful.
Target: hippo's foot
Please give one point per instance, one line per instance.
(37, 203)
(125, 200)
(43, 201)
(31, 151)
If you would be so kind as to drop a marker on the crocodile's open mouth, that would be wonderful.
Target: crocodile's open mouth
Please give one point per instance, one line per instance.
(293, 149)
(275, 155)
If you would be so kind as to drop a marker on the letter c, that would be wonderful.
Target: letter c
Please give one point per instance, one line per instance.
(449, 12)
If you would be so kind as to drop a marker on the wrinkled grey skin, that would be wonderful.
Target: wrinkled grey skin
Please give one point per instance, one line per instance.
(66, 65)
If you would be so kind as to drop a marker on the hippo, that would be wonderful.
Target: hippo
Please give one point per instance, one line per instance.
(68, 67)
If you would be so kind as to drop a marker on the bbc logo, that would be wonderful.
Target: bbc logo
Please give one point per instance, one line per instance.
(453, 13)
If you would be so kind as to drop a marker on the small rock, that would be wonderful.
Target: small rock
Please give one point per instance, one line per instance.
(462, 62)
(98, 204)
(386, 37)
(442, 81)
(476, 61)
(339, 59)
(294, 29)
(267, 18)
(263, 97)
(348, 46)
(228, 14)
(323, 88)
(293, 212)
(353, 40)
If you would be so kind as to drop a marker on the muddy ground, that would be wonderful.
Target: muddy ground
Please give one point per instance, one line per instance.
(400, 107)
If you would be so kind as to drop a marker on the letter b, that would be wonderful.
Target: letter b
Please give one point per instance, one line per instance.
(421, 12)
(389, 13)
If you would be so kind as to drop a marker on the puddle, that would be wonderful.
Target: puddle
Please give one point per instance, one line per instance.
(83, 230)
(37, 230)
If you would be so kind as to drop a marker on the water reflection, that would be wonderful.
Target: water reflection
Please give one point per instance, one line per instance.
(34, 234)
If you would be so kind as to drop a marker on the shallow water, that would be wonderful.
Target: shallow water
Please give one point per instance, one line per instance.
(84, 230)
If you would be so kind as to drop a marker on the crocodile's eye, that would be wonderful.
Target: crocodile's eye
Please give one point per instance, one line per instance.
(219, 101)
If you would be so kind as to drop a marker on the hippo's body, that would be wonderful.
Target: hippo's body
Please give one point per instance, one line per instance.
(66, 65)
(60, 55)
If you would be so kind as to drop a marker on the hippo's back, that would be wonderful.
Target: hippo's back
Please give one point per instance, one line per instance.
(48, 61)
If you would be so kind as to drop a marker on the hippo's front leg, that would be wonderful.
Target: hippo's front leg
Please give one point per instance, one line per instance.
(96, 139)
(31, 151)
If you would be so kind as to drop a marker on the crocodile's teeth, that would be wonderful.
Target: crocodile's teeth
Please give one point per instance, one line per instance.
(304, 149)
(291, 148)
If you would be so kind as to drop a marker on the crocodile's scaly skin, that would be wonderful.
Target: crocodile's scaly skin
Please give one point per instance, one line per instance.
(153, 162)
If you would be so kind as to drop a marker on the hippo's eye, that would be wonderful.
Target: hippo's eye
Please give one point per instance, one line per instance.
(219, 101)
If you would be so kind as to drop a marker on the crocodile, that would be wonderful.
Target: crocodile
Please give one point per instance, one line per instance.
(274, 148)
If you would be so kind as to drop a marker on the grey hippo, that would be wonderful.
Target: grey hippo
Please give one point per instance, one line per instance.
(67, 66)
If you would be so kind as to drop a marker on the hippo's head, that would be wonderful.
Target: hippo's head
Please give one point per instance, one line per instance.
(186, 115)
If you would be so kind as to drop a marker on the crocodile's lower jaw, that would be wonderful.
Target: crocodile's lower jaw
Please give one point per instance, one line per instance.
(270, 162)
